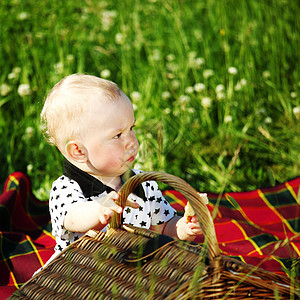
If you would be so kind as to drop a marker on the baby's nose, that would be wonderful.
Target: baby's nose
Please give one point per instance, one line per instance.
(132, 141)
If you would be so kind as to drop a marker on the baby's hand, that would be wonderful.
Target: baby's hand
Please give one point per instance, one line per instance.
(108, 206)
(188, 230)
(193, 226)
(188, 225)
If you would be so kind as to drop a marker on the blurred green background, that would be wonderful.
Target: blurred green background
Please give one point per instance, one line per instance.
(215, 84)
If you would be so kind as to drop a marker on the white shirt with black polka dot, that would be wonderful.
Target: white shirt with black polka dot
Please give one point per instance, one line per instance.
(66, 193)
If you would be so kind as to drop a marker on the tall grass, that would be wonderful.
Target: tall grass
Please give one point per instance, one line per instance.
(215, 83)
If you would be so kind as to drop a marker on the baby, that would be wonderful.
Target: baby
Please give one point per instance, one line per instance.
(91, 121)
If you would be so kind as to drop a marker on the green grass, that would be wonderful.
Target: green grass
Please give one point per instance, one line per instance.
(246, 135)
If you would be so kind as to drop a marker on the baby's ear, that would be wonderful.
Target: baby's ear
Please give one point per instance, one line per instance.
(76, 152)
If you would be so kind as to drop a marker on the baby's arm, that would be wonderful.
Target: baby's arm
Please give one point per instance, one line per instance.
(94, 214)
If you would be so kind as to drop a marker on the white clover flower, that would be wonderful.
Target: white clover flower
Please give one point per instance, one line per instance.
(208, 73)
(243, 82)
(16, 70)
(232, 70)
(165, 95)
(228, 119)
(59, 67)
(261, 111)
(15, 73)
(107, 19)
(206, 102)
(172, 66)
(12, 76)
(156, 55)
(29, 168)
(266, 74)
(22, 16)
(29, 132)
(135, 107)
(199, 61)
(192, 55)
(191, 110)
(296, 112)
(170, 57)
(120, 38)
(220, 88)
(196, 62)
(24, 90)
(293, 94)
(268, 120)
(189, 89)
(199, 87)
(136, 96)
(184, 99)
(193, 61)
(5, 89)
(220, 95)
(70, 58)
(167, 111)
(109, 14)
(170, 75)
(175, 84)
(105, 73)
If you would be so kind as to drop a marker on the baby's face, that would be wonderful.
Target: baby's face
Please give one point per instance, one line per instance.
(109, 137)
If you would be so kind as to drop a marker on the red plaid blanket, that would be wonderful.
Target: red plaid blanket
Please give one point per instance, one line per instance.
(260, 227)
(25, 241)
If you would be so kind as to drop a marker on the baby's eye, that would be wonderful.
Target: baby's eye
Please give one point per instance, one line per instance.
(117, 136)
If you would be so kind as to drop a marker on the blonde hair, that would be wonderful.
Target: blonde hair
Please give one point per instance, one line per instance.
(64, 107)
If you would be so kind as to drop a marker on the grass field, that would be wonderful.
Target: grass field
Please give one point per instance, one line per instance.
(215, 83)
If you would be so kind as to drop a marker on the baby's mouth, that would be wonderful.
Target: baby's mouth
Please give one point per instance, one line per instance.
(131, 159)
(133, 152)
(133, 155)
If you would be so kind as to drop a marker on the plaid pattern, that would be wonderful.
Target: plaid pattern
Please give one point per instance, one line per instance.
(260, 227)
(25, 239)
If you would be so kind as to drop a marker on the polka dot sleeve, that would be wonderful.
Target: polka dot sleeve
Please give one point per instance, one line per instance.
(161, 210)
(154, 208)
(64, 194)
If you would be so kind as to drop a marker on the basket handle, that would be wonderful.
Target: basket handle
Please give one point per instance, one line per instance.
(200, 208)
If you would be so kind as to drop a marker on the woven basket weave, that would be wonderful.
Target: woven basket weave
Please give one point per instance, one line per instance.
(133, 263)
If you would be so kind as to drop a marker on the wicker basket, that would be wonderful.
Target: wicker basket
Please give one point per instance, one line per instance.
(133, 263)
